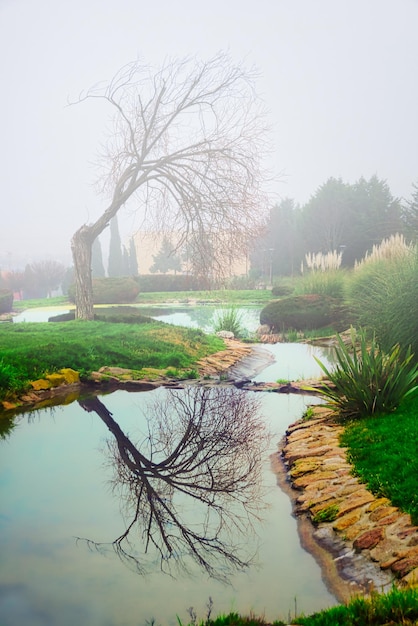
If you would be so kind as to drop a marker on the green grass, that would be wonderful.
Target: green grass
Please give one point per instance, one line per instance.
(230, 319)
(398, 607)
(223, 296)
(22, 305)
(394, 608)
(384, 452)
(30, 350)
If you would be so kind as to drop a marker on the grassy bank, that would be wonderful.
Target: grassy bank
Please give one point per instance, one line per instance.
(30, 350)
(384, 452)
(396, 608)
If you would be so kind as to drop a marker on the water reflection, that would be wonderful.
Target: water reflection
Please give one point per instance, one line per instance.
(191, 485)
(204, 317)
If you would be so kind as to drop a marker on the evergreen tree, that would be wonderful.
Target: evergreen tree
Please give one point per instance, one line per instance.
(280, 249)
(115, 267)
(326, 217)
(133, 261)
(410, 216)
(350, 217)
(125, 262)
(97, 267)
(166, 259)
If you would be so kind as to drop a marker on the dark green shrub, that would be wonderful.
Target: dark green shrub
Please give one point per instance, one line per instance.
(281, 290)
(113, 314)
(304, 312)
(111, 290)
(367, 381)
(6, 300)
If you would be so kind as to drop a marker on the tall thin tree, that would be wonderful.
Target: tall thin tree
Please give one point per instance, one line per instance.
(133, 260)
(97, 267)
(116, 264)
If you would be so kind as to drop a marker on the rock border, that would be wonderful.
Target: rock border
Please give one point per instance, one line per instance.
(361, 542)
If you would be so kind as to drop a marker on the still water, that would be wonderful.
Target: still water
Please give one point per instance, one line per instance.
(202, 316)
(67, 475)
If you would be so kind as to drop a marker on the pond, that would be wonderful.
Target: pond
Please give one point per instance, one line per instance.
(56, 486)
(80, 543)
(202, 316)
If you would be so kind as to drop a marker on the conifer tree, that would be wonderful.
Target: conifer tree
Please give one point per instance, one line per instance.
(166, 259)
(133, 260)
(97, 267)
(410, 215)
(115, 267)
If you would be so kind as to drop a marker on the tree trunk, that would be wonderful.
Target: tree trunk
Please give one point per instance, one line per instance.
(81, 245)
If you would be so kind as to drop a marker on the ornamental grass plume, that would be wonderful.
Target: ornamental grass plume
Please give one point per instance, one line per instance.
(392, 248)
(323, 262)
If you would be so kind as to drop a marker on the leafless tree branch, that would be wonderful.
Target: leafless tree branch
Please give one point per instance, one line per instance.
(187, 143)
(202, 454)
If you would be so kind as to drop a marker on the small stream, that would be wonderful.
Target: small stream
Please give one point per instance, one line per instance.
(67, 476)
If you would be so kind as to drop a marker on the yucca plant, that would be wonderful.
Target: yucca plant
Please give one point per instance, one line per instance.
(367, 381)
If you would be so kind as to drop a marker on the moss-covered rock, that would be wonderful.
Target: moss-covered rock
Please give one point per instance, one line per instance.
(41, 384)
(70, 375)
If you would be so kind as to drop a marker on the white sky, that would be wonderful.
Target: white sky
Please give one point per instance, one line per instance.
(338, 76)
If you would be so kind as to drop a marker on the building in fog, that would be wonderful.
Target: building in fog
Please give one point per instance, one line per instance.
(149, 244)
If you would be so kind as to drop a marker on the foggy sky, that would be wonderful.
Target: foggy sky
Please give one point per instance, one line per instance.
(338, 76)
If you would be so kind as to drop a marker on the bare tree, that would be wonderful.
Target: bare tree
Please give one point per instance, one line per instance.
(187, 143)
(202, 455)
(42, 277)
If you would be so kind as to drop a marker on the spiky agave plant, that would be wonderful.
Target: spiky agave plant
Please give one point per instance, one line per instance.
(365, 380)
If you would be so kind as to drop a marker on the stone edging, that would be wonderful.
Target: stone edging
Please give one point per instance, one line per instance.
(372, 544)
(54, 388)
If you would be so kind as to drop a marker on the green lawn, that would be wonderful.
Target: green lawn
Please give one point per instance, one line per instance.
(29, 350)
(221, 296)
(384, 451)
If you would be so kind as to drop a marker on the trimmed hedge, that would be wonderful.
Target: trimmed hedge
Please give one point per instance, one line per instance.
(168, 282)
(6, 300)
(305, 312)
(111, 290)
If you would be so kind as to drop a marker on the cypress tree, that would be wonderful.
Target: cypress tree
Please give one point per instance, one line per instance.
(115, 266)
(133, 259)
(97, 267)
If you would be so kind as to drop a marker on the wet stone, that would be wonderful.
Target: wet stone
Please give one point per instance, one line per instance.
(404, 566)
(377, 503)
(354, 502)
(369, 539)
(347, 520)
(382, 511)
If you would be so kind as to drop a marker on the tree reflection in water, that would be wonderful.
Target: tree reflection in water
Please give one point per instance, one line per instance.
(191, 488)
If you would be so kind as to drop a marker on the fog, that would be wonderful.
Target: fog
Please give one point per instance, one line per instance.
(339, 80)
